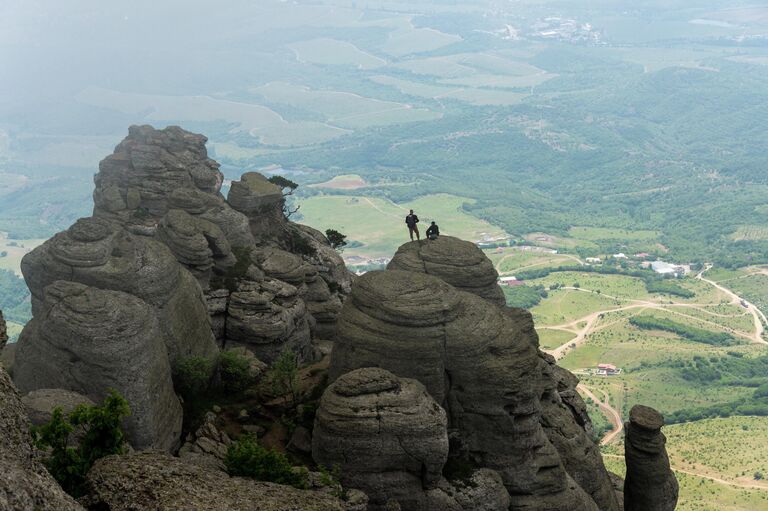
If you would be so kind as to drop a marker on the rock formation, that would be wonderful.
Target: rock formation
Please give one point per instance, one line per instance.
(90, 340)
(161, 184)
(207, 446)
(564, 416)
(24, 483)
(40, 404)
(386, 433)
(459, 263)
(476, 362)
(103, 255)
(650, 484)
(150, 480)
(169, 261)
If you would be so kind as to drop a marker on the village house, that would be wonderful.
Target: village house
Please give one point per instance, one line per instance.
(607, 370)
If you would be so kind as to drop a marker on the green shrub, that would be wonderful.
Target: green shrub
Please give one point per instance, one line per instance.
(284, 376)
(103, 436)
(337, 240)
(246, 458)
(235, 371)
(192, 376)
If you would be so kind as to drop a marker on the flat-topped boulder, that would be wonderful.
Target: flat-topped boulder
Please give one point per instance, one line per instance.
(254, 194)
(650, 482)
(460, 263)
(92, 340)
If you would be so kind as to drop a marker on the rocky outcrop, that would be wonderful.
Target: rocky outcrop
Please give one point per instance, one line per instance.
(476, 361)
(101, 254)
(650, 484)
(268, 317)
(40, 404)
(24, 483)
(89, 340)
(161, 183)
(567, 425)
(207, 446)
(563, 415)
(156, 481)
(386, 433)
(459, 263)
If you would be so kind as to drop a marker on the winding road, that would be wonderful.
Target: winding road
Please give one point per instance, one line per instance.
(611, 413)
(758, 316)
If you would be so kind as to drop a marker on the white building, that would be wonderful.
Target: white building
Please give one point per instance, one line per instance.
(664, 268)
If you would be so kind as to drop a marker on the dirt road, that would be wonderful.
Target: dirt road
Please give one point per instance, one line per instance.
(610, 412)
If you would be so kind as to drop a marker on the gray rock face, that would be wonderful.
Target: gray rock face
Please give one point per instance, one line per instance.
(566, 423)
(474, 360)
(267, 318)
(101, 254)
(199, 245)
(148, 166)
(39, 404)
(161, 183)
(156, 481)
(207, 446)
(483, 491)
(387, 434)
(564, 416)
(90, 340)
(24, 483)
(650, 483)
(460, 263)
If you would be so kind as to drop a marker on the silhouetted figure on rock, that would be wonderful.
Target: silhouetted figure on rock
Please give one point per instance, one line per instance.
(411, 220)
(433, 231)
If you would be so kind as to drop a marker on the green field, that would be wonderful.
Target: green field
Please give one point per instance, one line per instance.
(343, 109)
(335, 53)
(698, 493)
(380, 224)
(15, 251)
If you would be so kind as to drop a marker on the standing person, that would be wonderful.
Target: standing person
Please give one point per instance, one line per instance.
(433, 231)
(411, 220)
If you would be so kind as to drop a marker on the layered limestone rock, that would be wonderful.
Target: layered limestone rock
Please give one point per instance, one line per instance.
(90, 340)
(268, 317)
(567, 425)
(460, 263)
(24, 483)
(161, 183)
(564, 417)
(101, 254)
(152, 480)
(386, 433)
(650, 483)
(476, 361)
